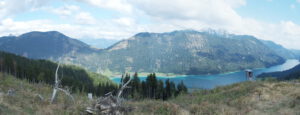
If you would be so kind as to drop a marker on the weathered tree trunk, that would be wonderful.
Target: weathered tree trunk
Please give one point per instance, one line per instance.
(57, 88)
(56, 84)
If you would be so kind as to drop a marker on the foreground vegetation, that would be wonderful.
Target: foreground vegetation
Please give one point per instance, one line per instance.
(33, 98)
(260, 97)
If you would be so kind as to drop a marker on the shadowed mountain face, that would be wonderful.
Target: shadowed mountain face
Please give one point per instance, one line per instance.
(283, 52)
(184, 52)
(43, 45)
(290, 74)
(180, 52)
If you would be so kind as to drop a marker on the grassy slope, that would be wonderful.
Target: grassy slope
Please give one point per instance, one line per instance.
(262, 97)
(26, 101)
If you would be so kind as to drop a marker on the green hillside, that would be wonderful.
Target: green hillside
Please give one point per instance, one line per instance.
(43, 71)
(25, 99)
(248, 98)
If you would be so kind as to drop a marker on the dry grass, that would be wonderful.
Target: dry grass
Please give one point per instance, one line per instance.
(252, 98)
(25, 99)
(155, 107)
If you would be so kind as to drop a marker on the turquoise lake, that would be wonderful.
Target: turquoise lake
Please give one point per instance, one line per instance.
(211, 81)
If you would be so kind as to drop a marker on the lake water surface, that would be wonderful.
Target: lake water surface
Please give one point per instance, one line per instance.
(211, 81)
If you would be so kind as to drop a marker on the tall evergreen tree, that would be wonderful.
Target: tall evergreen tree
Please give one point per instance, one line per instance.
(168, 92)
(144, 89)
(173, 89)
(136, 86)
(160, 90)
(181, 88)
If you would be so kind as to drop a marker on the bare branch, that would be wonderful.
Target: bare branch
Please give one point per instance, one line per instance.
(109, 93)
(67, 93)
(57, 87)
(56, 84)
(123, 87)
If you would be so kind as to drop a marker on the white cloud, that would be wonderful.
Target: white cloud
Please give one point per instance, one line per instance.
(11, 7)
(105, 29)
(217, 12)
(9, 26)
(160, 15)
(298, 1)
(292, 6)
(66, 10)
(236, 3)
(84, 18)
(125, 21)
(75, 14)
(117, 5)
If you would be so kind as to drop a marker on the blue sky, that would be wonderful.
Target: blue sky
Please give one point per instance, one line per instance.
(271, 11)
(276, 20)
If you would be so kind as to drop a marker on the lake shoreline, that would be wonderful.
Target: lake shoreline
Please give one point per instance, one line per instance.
(214, 80)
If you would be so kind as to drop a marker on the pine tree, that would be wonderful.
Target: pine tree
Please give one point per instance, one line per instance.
(168, 92)
(153, 86)
(135, 91)
(173, 89)
(181, 88)
(160, 90)
(144, 89)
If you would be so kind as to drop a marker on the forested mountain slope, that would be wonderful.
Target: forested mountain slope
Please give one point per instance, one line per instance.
(183, 52)
(178, 52)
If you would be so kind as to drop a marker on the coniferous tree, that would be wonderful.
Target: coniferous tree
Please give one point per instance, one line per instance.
(43, 71)
(173, 89)
(144, 89)
(148, 85)
(168, 92)
(136, 86)
(153, 86)
(181, 88)
(160, 90)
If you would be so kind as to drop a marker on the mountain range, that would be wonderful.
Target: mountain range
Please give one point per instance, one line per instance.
(178, 52)
(280, 50)
(43, 45)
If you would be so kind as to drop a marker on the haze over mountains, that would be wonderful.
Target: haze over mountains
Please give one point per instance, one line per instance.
(43, 45)
(280, 50)
(179, 52)
(99, 43)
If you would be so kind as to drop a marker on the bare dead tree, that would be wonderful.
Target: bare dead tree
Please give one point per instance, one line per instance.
(57, 87)
(124, 86)
(110, 105)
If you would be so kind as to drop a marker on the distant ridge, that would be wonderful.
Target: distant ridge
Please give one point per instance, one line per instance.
(43, 45)
(177, 52)
(184, 52)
